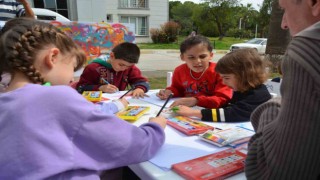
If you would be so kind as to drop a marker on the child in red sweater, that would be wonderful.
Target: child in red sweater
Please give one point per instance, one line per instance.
(115, 73)
(243, 71)
(196, 80)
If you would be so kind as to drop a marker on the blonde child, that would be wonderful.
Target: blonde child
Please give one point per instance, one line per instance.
(196, 80)
(243, 71)
(52, 132)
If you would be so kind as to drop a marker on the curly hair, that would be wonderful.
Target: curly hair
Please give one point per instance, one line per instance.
(22, 38)
(246, 65)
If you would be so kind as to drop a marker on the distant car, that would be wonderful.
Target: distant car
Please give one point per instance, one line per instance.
(48, 15)
(258, 44)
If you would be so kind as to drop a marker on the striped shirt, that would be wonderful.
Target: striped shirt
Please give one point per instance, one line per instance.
(287, 140)
(10, 9)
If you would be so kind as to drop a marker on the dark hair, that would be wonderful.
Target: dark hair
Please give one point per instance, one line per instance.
(195, 40)
(127, 51)
(246, 65)
(24, 37)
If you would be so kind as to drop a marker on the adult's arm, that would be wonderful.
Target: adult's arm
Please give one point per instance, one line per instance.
(28, 11)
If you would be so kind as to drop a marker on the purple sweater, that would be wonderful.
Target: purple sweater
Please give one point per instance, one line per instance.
(53, 132)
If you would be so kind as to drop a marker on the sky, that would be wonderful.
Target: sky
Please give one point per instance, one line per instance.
(244, 2)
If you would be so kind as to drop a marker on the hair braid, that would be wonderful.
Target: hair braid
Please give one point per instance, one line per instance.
(21, 41)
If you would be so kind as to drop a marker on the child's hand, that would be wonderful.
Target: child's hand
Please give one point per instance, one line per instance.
(164, 94)
(138, 93)
(189, 101)
(108, 88)
(186, 111)
(160, 120)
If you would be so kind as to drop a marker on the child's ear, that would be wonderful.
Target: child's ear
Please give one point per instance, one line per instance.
(182, 57)
(112, 56)
(52, 57)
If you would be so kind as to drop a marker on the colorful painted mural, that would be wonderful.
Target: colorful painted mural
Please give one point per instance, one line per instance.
(97, 38)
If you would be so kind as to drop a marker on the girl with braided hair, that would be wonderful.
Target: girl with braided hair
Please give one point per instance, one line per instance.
(52, 132)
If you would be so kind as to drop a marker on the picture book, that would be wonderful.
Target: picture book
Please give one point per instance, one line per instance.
(132, 113)
(188, 125)
(93, 96)
(218, 165)
(227, 136)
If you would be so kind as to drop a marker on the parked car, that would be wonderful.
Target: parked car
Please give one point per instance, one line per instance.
(46, 14)
(258, 44)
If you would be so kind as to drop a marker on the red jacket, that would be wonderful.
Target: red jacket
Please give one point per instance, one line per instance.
(90, 79)
(209, 89)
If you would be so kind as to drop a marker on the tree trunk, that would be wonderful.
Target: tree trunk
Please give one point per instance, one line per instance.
(278, 39)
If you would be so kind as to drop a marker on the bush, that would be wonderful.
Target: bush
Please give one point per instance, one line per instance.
(168, 33)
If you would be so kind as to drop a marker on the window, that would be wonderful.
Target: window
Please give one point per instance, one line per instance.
(109, 18)
(133, 3)
(139, 22)
(59, 6)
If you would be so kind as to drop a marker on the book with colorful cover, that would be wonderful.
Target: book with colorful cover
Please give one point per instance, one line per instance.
(188, 125)
(226, 136)
(93, 96)
(218, 165)
(132, 113)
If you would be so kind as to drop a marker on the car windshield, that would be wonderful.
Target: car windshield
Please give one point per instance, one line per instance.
(255, 41)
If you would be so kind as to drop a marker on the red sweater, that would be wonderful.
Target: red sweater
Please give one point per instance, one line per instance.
(90, 79)
(209, 89)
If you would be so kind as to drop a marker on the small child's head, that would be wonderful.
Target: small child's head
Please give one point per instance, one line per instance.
(196, 51)
(39, 52)
(124, 55)
(242, 69)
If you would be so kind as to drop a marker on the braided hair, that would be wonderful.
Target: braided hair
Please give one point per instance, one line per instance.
(21, 41)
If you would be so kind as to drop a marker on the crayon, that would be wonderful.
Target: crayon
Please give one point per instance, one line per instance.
(175, 109)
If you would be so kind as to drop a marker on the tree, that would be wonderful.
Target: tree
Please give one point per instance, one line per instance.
(220, 11)
(278, 38)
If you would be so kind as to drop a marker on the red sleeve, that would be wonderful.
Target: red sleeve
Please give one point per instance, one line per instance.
(136, 79)
(90, 78)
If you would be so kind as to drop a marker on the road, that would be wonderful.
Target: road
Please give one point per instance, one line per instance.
(156, 63)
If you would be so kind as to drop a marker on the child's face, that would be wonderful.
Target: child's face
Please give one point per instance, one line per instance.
(230, 80)
(197, 57)
(120, 65)
(62, 71)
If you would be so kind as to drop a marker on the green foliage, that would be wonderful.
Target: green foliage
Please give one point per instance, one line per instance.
(158, 82)
(168, 33)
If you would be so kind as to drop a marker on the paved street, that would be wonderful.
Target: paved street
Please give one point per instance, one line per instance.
(156, 63)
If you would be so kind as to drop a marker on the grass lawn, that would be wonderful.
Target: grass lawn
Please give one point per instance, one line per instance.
(224, 44)
(158, 82)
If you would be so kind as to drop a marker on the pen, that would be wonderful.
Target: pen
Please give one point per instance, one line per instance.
(105, 81)
(164, 105)
(126, 93)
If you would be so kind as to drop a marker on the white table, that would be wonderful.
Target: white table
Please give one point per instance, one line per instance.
(147, 170)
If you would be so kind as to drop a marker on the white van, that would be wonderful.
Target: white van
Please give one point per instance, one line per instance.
(46, 14)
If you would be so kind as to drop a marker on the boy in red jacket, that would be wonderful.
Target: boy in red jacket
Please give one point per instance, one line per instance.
(115, 73)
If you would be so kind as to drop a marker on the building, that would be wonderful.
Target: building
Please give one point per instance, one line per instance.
(144, 14)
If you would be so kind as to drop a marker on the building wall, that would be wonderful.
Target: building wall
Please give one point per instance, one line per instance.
(97, 10)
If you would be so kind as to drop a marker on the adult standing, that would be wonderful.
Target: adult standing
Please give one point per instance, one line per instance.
(287, 140)
(10, 9)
